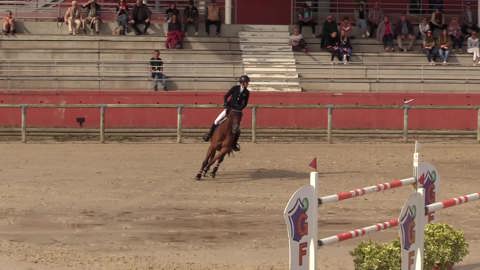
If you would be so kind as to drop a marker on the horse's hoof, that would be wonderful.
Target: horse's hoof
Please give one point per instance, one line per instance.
(213, 175)
(198, 177)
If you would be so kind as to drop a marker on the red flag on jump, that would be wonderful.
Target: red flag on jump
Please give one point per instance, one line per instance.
(313, 164)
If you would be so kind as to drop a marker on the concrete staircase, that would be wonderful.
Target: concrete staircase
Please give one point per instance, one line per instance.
(268, 59)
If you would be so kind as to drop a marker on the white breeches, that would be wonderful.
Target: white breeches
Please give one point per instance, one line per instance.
(220, 117)
(475, 53)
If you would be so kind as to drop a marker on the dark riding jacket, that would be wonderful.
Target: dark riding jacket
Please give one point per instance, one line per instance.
(235, 100)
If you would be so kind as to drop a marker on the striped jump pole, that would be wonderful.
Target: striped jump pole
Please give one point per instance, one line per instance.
(358, 232)
(366, 190)
(452, 202)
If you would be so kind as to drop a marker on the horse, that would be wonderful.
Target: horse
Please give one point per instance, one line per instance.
(221, 142)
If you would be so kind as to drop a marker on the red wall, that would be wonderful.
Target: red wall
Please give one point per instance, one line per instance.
(266, 118)
(263, 11)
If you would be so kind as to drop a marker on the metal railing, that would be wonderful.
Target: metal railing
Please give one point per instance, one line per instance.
(329, 132)
(343, 8)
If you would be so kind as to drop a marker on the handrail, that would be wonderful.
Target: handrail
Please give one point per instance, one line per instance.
(103, 110)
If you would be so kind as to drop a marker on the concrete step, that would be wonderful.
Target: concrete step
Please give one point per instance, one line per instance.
(263, 34)
(264, 76)
(256, 60)
(264, 28)
(265, 48)
(268, 70)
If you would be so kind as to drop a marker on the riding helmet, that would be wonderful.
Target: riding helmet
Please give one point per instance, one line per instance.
(244, 78)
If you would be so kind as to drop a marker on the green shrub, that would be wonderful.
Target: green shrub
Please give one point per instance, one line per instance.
(444, 247)
(370, 255)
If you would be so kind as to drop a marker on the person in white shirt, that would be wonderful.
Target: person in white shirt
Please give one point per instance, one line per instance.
(472, 47)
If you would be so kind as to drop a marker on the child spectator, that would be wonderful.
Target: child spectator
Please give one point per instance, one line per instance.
(429, 48)
(455, 33)
(213, 17)
(346, 27)
(175, 34)
(444, 43)
(8, 24)
(93, 15)
(385, 34)
(73, 18)
(345, 49)
(305, 17)
(141, 14)
(156, 69)
(472, 47)
(190, 17)
(122, 17)
(404, 31)
(297, 42)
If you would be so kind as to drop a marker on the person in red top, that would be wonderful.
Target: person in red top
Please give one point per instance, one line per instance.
(8, 24)
(385, 34)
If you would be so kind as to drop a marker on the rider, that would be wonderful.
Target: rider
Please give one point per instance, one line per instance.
(236, 98)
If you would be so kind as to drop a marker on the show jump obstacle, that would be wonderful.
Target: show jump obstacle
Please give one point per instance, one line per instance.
(301, 216)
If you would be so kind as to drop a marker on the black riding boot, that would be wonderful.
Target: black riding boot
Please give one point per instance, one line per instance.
(207, 136)
(235, 145)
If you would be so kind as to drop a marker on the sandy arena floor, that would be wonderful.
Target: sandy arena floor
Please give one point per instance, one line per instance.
(136, 206)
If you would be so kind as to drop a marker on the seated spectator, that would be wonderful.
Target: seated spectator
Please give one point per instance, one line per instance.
(375, 15)
(329, 27)
(455, 33)
(345, 48)
(333, 47)
(190, 17)
(444, 44)
(122, 17)
(404, 31)
(472, 47)
(172, 10)
(8, 24)
(429, 48)
(73, 18)
(423, 28)
(93, 15)
(175, 34)
(469, 24)
(297, 42)
(156, 69)
(141, 14)
(305, 17)
(346, 27)
(213, 17)
(385, 34)
(437, 21)
(361, 18)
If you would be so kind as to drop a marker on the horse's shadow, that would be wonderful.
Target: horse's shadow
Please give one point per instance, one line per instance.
(265, 174)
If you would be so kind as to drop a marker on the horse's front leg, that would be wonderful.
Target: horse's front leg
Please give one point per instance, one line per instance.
(215, 169)
(203, 170)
